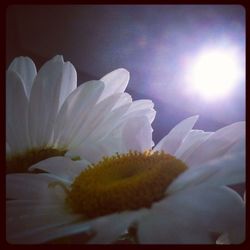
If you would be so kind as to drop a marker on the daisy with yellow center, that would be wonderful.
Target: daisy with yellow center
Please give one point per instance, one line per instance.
(47, 115)
(175, 193)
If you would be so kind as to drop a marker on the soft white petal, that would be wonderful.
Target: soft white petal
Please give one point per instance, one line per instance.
(19, 208)
(125, 99)
(115, 82)
(188, 217)
(75, 111)
(116, 225)
(137, 134)
(119, 116)
(62, 167)
(171, 142)
(217, 144)
(90, 150)
(16, 113)
(142, 107)
(111, 112)
(91, 124)
(192, 140)
(53, 83)
(227, 170)
(50, 232)
(237, 147)
(223, 240)
(34, 228)
(34, 187)
(128, 119)
(26, 69)
(111, 121)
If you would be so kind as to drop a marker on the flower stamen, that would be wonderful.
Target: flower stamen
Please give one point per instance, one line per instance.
(123, 182)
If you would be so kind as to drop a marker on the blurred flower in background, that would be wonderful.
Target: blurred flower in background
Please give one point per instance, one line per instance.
(47, 115)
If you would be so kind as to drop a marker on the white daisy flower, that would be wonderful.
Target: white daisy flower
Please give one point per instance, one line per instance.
(174, 194)
(48, 115)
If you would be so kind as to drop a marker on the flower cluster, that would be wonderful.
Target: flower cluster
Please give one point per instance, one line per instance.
(81, 162)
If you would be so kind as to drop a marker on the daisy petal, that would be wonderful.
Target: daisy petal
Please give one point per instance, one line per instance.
(32, 228)
(137, 134)
(92, 122)
(53, 84)
(75, 111)
(136, 120)
(217, 144)
(16, 113)
(61, 166)
(34, 187)
(125, 99)
(171, 142)
(223, 240)
(142, 107)
(115, 82)
(227, 170)
(111, 121)
(105, 236)
(18, 208)
(120, 115)
(190, 216)
(26, 69)
(193, 139)
(237, 147)
(49, 232)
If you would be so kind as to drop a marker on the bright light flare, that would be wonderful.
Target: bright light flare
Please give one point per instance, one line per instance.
(214, 73)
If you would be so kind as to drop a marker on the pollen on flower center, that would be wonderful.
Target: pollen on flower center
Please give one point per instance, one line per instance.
(20, 163)
(123, 182)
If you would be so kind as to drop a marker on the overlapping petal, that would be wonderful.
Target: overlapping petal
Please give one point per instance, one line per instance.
(16, 113)
(53, 83)
(26, 70)
(191, 216)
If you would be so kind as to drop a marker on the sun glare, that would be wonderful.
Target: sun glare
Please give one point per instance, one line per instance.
(214, 73)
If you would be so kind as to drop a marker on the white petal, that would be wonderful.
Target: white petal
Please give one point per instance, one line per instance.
(112, 120)
(91, 124)
(18, 208)
(227, 170)
(237, 147)
(16, 113)
(75, 110)
(91, 151)
(217, 144)
(33, 228)
(125, 99)
(171, 142)
(188, 217)
(26, 69)
(34, 187)
(116, 225)
(45, 234)
(131, 119)
(223, 240)
(115, 82)
(193, 139)
(62, 167)
(53, 83)
(137, 134)
(142, 107)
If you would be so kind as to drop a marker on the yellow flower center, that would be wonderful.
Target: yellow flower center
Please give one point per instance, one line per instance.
(123, 182)
(19, 163)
